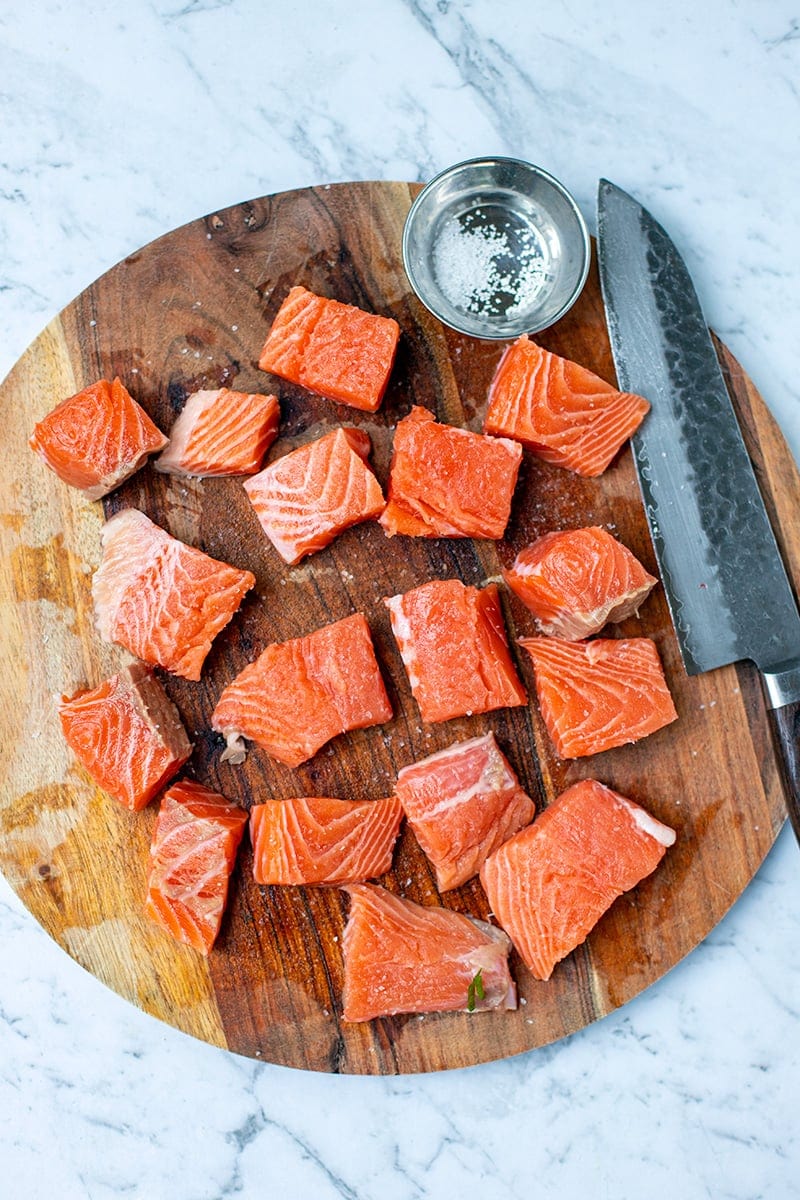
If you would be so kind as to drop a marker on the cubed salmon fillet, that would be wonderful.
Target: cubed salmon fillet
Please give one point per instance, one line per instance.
(299, 694)
(159, 598)
(599, 694)
(128, 735)
(561, 411)
(462, 803)
(402, 957)
(192, 855)
(550, 884)
(453, 644)
(316, 839)
(221, 432)
(97, 438)
(331, 348)
(577, 581)
(449, 482)
(311, 495)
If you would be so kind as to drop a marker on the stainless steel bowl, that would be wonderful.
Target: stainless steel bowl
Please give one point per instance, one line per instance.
(496, 247)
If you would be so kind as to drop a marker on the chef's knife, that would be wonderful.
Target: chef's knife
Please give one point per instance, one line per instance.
(725, 582)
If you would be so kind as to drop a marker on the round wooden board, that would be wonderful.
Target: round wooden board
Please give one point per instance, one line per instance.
(191, 310)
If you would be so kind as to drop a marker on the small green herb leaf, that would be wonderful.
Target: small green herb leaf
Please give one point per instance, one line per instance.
(474, 990)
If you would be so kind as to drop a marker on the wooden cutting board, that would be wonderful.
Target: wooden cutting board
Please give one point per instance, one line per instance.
(191, 310)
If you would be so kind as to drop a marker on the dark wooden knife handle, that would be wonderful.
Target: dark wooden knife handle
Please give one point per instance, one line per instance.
(786, 724)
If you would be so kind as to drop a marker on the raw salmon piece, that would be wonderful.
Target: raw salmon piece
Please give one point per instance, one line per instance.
(560, 410)
(600, 694)
(221, 433)
(159, 598)
(549, 885)
(128, 735)
(192, 854)
(331, 348)
(97, 438)
(462, 803)
(449, 482)
(401, 957)
(576, 581)
(308, 497)
(299, 694)
(321, 840)
(453, 644)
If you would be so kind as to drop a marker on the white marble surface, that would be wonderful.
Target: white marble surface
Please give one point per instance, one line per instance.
(119, 122)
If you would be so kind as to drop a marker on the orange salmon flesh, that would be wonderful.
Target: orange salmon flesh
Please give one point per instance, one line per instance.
(319, 840)
(192, 855)
(549, 885)
(334, 349)
(578, 580)
(97, 438)
(561, 411)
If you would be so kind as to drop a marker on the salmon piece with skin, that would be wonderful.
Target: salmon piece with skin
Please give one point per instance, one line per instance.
(453, 644)
(159, 598)
(334, 349)
(128, 735)
(192, 856)
(311, 495)
(401, 957)
(462, 803)
(449, 482)
(550, 884)
(576, 581)
(318, 840)
(600, 694)
(299, 694)
(221, 432)
(561, 411)
(97, 438)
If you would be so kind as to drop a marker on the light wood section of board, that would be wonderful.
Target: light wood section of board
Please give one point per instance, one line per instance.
(68, 850)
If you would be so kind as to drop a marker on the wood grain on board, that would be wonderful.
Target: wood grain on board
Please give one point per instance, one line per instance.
(189, 311)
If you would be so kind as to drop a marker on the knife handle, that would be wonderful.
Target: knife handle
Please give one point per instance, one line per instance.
(786, 726)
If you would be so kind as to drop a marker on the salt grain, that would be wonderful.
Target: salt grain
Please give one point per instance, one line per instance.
(480, 271)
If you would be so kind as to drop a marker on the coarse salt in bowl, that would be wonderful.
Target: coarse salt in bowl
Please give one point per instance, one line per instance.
(496, 247)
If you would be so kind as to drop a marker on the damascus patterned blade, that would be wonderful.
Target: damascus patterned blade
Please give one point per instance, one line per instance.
(725, 582)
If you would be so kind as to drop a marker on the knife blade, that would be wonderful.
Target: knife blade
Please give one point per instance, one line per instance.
(726, 585)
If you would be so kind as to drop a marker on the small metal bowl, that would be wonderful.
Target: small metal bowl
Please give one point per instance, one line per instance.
(496, 247)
